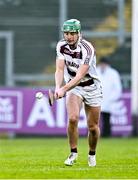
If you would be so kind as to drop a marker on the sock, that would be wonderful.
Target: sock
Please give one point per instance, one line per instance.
(92, 153)
(74, 150)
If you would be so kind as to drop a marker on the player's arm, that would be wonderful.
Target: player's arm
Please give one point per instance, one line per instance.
(59, 74)
(83, 69)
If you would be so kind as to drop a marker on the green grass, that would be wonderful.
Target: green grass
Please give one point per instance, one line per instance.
(42, 158)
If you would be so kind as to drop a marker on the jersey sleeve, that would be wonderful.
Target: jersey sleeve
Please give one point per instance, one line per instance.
(59, 55)
(88, 53)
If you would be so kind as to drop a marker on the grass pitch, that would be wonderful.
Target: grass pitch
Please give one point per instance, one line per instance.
(42, 158)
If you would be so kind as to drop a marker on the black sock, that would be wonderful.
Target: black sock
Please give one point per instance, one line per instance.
(74, 150)
(92, 153)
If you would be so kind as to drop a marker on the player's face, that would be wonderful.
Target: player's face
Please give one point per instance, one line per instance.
(71, 37)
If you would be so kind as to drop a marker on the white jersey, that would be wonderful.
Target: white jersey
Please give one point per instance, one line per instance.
(83, 54)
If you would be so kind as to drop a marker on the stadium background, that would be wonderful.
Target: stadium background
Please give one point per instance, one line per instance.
(30, 142)
(29, 31)
(34, 29)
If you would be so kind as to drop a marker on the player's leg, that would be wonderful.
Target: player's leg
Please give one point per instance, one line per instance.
(93, 116)
(73, 104)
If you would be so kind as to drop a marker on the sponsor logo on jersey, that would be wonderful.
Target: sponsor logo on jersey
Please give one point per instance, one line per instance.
(68, 63)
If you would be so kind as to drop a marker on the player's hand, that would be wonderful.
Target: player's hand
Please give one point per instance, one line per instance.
(56, 93)
(59, 93)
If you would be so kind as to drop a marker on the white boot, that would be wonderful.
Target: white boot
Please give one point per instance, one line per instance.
(71, 159)
(92, 160)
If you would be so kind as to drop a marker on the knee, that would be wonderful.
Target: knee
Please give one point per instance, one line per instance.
(73, 120)
(93, 128)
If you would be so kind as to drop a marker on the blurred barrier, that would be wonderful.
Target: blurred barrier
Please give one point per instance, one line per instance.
(30, 30)
(21, 113)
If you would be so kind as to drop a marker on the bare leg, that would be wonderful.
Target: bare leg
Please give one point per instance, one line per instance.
(93, 116)
(73, 109)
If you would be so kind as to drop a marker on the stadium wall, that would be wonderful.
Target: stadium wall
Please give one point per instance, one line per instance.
(22, 113)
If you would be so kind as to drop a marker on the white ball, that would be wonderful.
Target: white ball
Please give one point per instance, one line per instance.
(39, 95)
